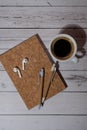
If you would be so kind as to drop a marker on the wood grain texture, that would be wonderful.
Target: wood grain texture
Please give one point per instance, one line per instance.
(62, 103)
(46, 17)
(43, 3)
(21, 19)
(12, 37)
(43, 122)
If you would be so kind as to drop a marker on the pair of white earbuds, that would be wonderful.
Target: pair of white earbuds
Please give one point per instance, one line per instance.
(17, 69)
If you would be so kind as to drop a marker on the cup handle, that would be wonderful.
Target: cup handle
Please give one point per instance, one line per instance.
(80, 54)
(75, 59)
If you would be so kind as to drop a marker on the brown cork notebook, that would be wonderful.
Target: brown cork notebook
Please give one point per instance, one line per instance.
(28, 85)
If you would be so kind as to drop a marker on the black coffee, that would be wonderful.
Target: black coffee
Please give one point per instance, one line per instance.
(62, 48)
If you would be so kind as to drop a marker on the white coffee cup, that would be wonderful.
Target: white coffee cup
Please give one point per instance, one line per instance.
(63, 48)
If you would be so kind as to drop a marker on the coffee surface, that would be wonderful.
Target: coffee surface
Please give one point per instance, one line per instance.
(62, 48)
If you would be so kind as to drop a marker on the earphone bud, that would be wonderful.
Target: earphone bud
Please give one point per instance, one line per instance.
(24, 61)
(17, 70)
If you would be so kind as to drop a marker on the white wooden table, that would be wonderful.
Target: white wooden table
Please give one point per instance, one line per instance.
(19, 20)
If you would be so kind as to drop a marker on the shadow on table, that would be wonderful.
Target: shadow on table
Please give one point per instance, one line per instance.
(79, 34)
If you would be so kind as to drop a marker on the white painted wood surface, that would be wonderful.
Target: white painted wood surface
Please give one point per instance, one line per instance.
(42, 17)
(19, 20)
(63, 103)
(43, 122)
(43, 3)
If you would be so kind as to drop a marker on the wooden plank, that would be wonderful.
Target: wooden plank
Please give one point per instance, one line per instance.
(76, 81)
(43, 122)
(62, 103)
(46, 17)
(5, 82)
(72, 108)
(43, 3)
(14, 37)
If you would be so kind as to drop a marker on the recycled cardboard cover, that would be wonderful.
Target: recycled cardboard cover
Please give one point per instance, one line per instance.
(28, 86)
